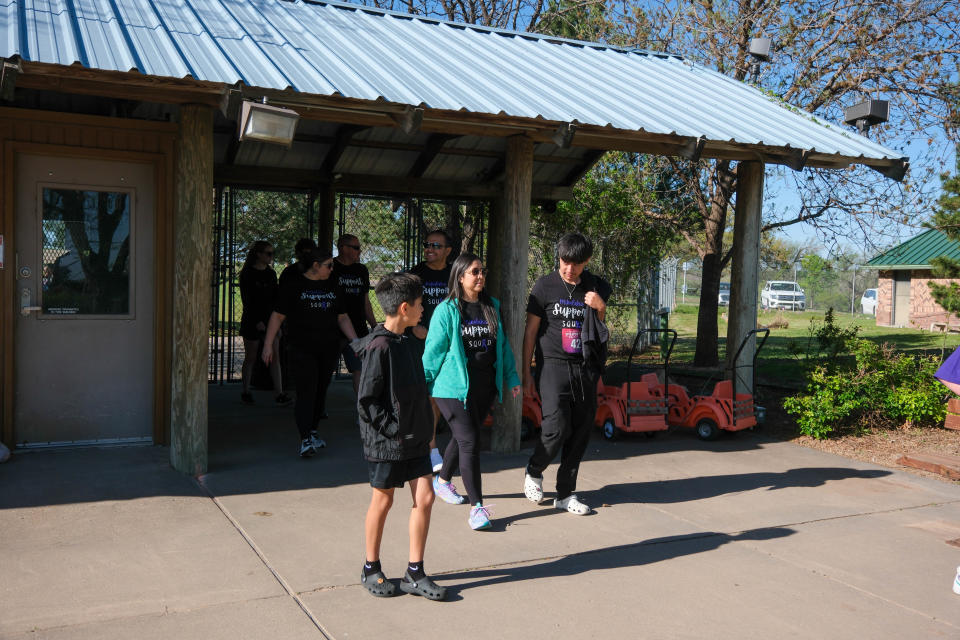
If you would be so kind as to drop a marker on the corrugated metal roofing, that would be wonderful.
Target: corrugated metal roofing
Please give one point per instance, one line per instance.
(336, 49)
(919, 251)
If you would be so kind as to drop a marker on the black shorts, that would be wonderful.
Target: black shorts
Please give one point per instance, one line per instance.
(389, 475)
(350, 359)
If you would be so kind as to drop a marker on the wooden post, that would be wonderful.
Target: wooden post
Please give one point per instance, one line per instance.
(746, 264)
(508, 241)
(192, 224)
(326, 215)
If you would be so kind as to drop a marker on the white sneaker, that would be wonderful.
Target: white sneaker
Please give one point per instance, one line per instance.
(533, 488)
(572, 504)
(306, 448)
(436, 460)
(318, 442)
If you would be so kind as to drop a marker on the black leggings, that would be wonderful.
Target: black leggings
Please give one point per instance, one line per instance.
(312, 370)
(464, 447)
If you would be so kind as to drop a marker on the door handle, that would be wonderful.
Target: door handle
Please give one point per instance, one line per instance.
(25, 300)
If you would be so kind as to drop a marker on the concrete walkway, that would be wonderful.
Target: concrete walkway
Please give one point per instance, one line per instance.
(740, 538)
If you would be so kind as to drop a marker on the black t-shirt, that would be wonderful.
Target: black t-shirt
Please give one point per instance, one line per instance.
(354, 280)
(479, 339)
(258, 289)
(434, 288)
(311, 308)
(560, 308)
(290, 273)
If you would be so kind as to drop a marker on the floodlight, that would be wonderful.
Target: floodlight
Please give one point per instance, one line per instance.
(866, 114)
(266, 123)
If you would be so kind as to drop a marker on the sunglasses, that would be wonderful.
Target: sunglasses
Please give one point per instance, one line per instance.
(434, 245)
(355, 247)
(476, 271)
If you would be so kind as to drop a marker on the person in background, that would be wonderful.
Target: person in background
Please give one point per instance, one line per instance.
(394, 417)
(258, 292)
(301, 250)
(467, 362)
(354, 279)
(434, 272)
(314, 309)
(555, 312)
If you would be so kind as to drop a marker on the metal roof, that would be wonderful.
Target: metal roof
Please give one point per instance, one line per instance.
(353, 52)
(917, 252)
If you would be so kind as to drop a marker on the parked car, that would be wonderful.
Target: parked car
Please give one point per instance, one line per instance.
(781, 294)
(723, 299)
(868, 302)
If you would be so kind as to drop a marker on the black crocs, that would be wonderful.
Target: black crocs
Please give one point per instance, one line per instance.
(423, 587)
(378, 585)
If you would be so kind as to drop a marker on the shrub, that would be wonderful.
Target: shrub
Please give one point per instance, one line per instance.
(880, 389)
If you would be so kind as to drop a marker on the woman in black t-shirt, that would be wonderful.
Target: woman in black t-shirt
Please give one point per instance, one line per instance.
(313, 306)
(258, 290)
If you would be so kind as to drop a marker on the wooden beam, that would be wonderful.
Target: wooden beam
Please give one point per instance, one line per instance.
(430, 151)
(508, 244)
(744, 278)
(9, 70)
(590, 158)
(193, 219)
(326, 215)
(340, 144)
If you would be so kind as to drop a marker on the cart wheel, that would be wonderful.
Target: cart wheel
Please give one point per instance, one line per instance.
(526, 429)
(610, 430)
(707, 429)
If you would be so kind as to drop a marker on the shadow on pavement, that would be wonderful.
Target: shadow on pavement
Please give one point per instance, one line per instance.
(617, 557)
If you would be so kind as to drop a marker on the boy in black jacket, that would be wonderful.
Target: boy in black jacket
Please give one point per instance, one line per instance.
(396, 424)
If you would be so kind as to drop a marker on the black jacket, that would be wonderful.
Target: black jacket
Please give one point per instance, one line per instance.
(396, 419)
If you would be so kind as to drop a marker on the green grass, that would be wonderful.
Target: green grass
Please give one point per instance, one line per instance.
(790, 350)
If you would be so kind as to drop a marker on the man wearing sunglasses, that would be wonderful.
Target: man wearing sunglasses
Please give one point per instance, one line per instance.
(354, 279)
(434, 272)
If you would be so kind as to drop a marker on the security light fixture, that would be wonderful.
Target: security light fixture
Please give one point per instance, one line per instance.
(266, 123)
(563, 136)
(866, 114)
(760, 52)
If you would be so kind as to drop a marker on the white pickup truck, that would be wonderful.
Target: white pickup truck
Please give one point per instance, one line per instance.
(781, 294)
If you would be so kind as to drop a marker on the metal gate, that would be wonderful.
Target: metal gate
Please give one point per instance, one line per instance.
(390, 231)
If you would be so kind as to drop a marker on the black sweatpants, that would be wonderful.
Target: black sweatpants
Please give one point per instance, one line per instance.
(568, 393)
(463, 451)
(312, 370)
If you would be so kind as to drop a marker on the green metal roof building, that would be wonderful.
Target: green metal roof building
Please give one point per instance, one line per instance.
(917, 252)
(903, 297)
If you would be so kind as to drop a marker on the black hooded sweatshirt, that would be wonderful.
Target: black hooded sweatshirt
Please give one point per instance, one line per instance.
(396, 419)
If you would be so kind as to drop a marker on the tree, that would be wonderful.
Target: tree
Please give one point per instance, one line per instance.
(947, 218)
(828, 54)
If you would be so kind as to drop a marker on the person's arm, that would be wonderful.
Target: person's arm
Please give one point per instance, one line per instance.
(368, 311)
(529, 342)
(343, 320)
(437, 345)
(373, 386)
(273, 327)
(508, 366)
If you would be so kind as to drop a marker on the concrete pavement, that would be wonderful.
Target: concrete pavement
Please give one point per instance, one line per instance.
(739, 538)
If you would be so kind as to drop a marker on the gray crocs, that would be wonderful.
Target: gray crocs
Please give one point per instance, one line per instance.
(378, 585)
(423, 587)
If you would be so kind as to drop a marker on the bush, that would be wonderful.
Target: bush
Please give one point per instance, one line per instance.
(881, 389)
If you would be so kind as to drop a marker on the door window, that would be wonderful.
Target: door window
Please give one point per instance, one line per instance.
(85, 239)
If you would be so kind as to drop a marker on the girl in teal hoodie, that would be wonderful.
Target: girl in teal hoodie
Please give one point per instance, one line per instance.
(467, 361)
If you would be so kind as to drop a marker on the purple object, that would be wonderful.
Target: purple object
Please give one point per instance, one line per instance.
(949, 371)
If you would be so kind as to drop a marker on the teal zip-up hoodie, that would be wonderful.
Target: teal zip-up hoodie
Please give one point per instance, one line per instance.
(445, 361)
